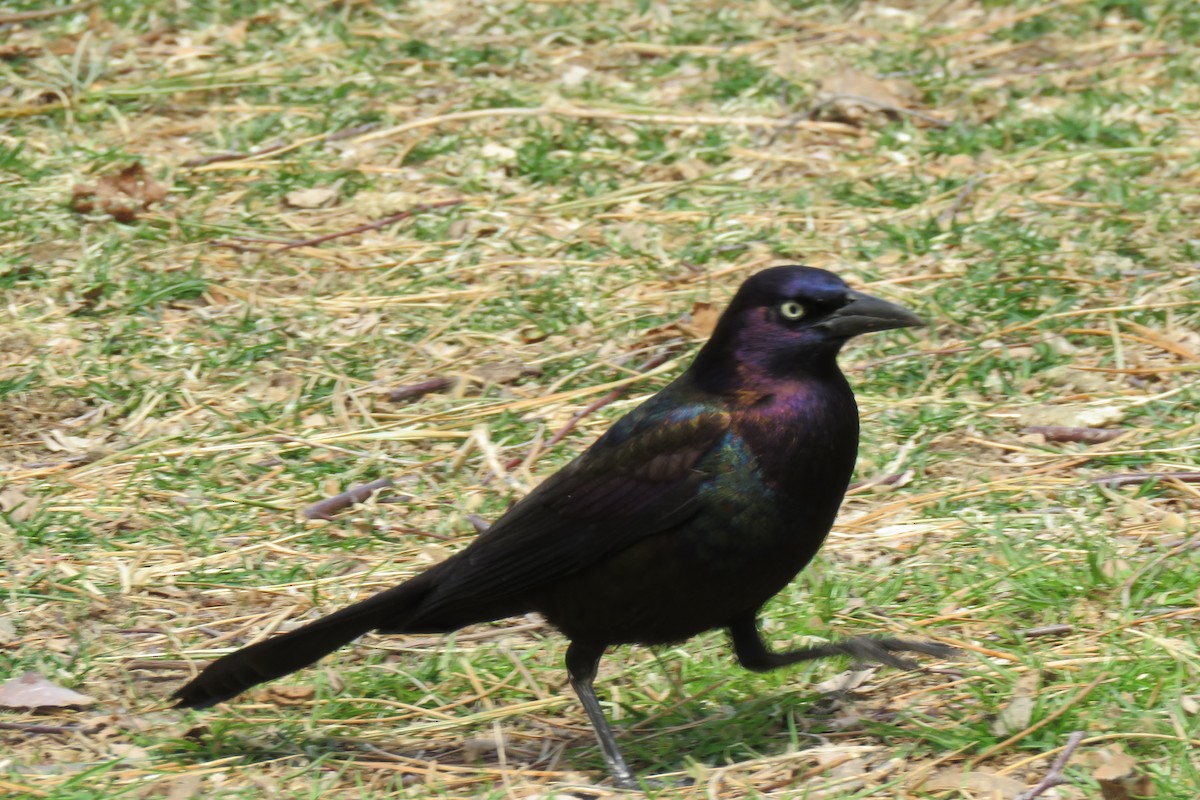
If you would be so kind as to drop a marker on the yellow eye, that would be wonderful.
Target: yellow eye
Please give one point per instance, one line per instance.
(791, 310)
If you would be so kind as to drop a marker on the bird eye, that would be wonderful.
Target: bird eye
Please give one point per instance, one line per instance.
(791, 310)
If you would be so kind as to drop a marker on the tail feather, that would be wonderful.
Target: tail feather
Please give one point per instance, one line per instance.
(280, 655)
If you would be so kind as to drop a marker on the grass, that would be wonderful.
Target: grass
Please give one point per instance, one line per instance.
(173, 391)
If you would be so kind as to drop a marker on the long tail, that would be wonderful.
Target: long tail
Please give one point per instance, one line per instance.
(233, 674)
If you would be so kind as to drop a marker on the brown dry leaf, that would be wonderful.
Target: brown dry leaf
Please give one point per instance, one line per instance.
(699, 324)
(315, 197)
(10, 52)
(1115, 567)
(129, 752)
(33, 690)
(278, 388)
(635, 234)
(1189, 702)
(846, 681)
(358, 325)
(1018, 711)
(982, 784)
(702, 321)
(18, 505)
(59, 442)
(1117, 774)
(185, 787)
(477, 746)
(850, 96)
(289, 695)
(502, 372)
(793, 64)
(122, 195)
(1071, 416)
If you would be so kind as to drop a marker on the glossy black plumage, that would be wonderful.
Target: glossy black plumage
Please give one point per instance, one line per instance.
(687, 515)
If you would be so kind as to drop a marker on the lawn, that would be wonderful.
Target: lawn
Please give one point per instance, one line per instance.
(253, 255)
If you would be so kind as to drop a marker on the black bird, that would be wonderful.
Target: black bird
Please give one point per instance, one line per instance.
(689, 514)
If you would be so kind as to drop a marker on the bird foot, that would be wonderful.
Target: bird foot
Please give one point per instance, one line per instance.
(883, 651)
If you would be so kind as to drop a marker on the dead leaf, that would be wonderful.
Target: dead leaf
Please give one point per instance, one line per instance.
(846, 681)
(18, 505)
(358, 325)
(699, 324)
(635, 234)
(278, 388)
(702, 322)
(982, 784)
(129, 752)
(503, 372)
(477, 746)
(315, 197)
(1116, 772)
(60, 442)
(1018, 711)
(850, 96)
(289, 695)
(1071, 416)
(122, 195)
(498, 152)
(11, 52)
(185, 787)
(32, 690)
(1189, 702)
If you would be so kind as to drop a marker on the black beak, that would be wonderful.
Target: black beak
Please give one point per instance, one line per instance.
(864, 313)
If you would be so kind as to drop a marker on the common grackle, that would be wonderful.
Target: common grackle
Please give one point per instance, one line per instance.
(689, 514)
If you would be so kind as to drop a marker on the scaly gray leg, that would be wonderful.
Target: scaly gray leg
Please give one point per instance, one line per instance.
(582, 661)
(753, 654)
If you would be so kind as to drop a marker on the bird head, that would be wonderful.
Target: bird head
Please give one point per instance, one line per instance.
(785, 322)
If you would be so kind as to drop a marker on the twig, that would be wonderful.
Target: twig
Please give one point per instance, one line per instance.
(370, 226)
(561, 108)
(1054, 776)
(351, 132)
(331, 505)
(1063, 433)
(886, 480)
(415, 390)
(42, 13)
(336, 136)
(1126, 478)
(404, 531)
(157, 664)
(1047, 630)
(947, 216)
(236, 244)
(1031, 633)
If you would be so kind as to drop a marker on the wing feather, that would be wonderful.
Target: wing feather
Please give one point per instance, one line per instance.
(638, 480)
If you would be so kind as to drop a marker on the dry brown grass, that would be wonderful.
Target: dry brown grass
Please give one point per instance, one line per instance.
(174, 391)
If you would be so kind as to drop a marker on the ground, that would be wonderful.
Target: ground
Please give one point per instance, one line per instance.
(233, 237)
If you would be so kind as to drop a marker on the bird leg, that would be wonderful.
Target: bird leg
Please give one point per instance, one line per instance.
(582, 661)
(753, 654)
